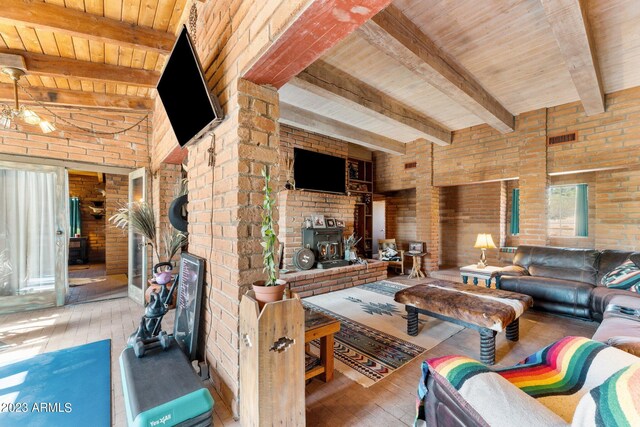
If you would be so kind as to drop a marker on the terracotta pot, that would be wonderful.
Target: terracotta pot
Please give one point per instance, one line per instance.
(265, 294)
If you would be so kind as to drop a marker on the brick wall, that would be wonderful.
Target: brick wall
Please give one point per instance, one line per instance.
(390, 173)
(317, 282)
(129, 149)
(84, 187)
(295, 206)
(466, 211)
(617, 202)
(610, 139)
(225, 199)
(164, 186)
(116, 253)
(608, 142)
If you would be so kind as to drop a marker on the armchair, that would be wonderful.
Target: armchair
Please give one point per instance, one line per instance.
(388, 251)
(574, 381)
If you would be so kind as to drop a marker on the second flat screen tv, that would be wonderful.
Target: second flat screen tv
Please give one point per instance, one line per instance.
(319, 172)
(183, 91)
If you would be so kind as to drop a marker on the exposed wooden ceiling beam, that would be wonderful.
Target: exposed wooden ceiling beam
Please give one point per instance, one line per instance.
(55, 66)
(570, 26)
(77, 98)
(331, 83)
(313, 122)
(316, 29)
(74, 22)
(398, 37)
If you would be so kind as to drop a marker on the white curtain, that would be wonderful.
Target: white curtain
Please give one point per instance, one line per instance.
(27, 232)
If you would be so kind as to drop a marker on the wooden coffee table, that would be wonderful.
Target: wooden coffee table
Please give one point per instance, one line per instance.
(488, 311)
(320, 326)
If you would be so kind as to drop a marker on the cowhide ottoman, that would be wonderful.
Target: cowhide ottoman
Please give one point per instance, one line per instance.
(489, 311)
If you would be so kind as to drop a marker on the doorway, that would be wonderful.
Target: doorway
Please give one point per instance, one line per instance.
(97, 251)
(379, 224)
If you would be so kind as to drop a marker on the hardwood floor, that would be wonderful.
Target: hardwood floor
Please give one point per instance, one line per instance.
(390, 402)
(99, 286)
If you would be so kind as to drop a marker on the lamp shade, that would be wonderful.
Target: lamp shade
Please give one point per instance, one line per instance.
(484, 241)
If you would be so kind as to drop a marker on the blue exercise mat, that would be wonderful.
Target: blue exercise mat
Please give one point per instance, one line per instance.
(70, 387)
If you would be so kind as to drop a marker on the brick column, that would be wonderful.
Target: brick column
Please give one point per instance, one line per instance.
(427, 205)
(164, 182)
(225, 203)
(116, 239)
(533, 177)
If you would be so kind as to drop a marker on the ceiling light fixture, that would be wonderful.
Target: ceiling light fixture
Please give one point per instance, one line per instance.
(10, 114)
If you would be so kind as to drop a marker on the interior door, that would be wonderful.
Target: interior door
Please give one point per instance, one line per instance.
(137, 244)
(379, 220)
(33, 236)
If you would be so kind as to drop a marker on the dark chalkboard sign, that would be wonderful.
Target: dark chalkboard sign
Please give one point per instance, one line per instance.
(185, 328)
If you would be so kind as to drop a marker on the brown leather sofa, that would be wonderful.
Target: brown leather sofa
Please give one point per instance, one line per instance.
(564, 281)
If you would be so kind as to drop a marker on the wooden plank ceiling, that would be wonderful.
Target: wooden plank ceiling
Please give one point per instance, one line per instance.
(105, 47)
(464, 62)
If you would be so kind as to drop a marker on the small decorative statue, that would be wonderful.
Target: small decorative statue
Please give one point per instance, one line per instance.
(350, 250)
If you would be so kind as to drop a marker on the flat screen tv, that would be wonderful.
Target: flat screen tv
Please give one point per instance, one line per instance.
(319, 172)
(183, 91)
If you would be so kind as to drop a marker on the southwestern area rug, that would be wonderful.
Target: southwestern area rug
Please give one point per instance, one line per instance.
(373, 341)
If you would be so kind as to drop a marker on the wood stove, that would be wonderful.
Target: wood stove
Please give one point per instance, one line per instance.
(326, 244)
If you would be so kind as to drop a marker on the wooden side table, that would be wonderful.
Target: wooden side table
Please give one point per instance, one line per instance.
(416, 272)
(320, 326)
(477, 274)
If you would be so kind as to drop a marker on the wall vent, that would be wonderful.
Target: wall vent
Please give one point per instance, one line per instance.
(411, 165)
(562, 139)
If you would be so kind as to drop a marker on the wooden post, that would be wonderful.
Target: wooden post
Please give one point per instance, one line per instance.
(272, 363)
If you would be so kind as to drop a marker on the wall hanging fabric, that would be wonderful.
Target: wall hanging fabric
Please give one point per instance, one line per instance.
(75, 222)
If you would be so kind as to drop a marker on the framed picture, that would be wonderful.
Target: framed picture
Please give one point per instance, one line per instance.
(339, 223)
(331, 222)
(318, 221)
(416, 247)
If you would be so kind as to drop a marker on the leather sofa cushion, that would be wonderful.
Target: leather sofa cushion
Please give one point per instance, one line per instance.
(548, 289)
(610, 259)
(615, 326)
(602, 296)
(559, 263)
(625, 343)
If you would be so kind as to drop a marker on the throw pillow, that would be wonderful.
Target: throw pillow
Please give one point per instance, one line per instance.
(624, 276)
(389, 254)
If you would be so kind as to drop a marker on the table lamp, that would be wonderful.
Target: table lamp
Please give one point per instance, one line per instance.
(484, 242)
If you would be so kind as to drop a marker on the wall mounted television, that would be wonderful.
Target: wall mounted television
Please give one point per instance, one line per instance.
(319, 172)
(191, 109)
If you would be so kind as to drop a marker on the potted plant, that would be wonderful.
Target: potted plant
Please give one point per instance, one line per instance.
(272, 289)
(140, 217)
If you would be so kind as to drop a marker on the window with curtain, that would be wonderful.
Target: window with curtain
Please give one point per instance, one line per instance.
(568, 213)
(515, 212)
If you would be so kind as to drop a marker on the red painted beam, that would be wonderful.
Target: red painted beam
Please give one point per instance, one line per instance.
(320, 27)
(176, 156)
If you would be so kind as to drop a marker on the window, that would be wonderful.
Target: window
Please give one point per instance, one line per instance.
(568, 211)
